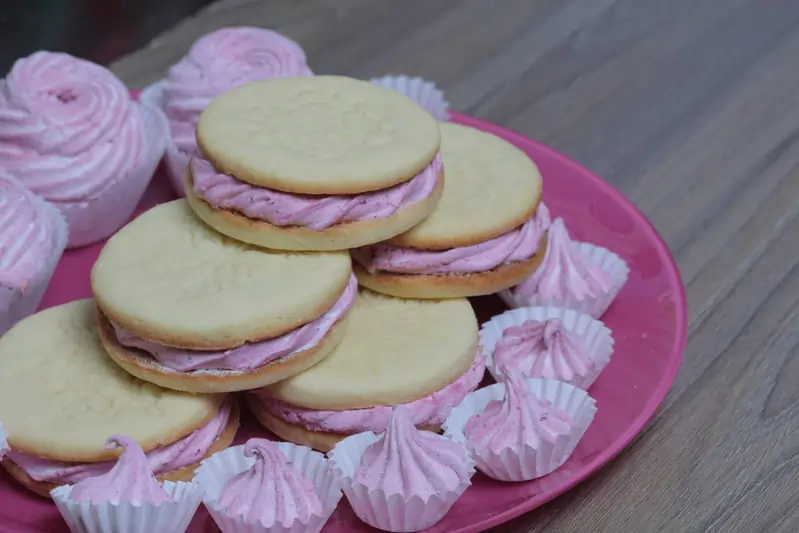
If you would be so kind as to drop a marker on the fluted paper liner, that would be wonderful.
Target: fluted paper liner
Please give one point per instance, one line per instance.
(214, 473)
(389, 512)
(525, 462)
(28, 299)
(99, 218)
(3, 441)
(596, 337)
(594, 307)
(126, 517)
(423, 92)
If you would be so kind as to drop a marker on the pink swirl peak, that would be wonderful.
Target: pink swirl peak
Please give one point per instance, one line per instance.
(536, 349)
(565, 271)
(220, 61)
(68, 127)
(411, 462)
(130, 480)
(271, 491)
(520, 419)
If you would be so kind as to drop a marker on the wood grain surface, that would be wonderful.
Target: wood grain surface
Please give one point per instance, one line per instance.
(691, 108)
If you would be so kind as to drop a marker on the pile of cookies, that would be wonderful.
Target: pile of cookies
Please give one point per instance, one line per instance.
(318, 270)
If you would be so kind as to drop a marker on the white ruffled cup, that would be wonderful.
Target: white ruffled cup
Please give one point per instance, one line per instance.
(525, 463)
(423, 92)
(125, 517)
(3, 441)
(176, 161)
(594, 307)
(214, 473)
(378, 509)
(99, 218)
(596, 337)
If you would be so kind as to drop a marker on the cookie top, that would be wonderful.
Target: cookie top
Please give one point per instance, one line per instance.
(395, 351)
(318, 135)
(491, 188)
(61, 396)
(168, 278)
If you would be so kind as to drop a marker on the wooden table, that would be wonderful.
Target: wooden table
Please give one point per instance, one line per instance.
(691, 108)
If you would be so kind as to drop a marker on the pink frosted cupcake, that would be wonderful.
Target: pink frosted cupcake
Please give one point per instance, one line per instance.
(573, 275)
(266, 486)
(404, 479)
(217, 62)
(547, 342)
(127, 499)
(33, 235)
(521, 429)
(70, 131)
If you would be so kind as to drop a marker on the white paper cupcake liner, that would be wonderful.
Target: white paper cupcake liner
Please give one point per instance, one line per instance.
(214, 473)
(596, 337)
(25, 302)
(525, 463)
(387, 512)
(175, 160)
(423, 92)
(3, 441)
(594, 307)
(124, 517)
(97, 219)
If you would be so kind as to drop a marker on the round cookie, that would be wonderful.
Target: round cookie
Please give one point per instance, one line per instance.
(485, 234)
(318, 135)
(61, 397)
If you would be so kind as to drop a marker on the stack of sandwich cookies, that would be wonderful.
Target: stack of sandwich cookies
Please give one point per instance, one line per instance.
(420, 353)
(187, 308)
(315, 163)
(486, 234)
(74, 396)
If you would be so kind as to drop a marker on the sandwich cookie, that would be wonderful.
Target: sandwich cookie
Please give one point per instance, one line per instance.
(486, 234)
(420, 353)
(187, 308)
(60, 398)
(314, 163)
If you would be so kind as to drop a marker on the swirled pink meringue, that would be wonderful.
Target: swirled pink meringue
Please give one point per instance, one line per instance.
(248, 356)
(28, 233)
(520, 419)
(411, 462)
(186, 451)
(431, 410)
(130, 479)
(518, 244)
(223, 191)
(220, 61)
(68, 127)
(543, 349)
(565, 271)
(271, 491)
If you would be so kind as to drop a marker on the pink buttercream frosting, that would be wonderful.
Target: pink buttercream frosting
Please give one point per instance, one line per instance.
(520, 419)
(251, 355)
(518, 244)
(68, 127)
(130, 479)
(565, 271)
(218, 62)
(543, 349)
(186, 451)
(412, 462)
(270, 492)
(428, 411)
(223, 191)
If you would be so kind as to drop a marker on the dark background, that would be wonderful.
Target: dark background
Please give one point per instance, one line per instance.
(98, 30)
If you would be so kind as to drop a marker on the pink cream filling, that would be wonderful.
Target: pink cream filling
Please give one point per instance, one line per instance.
(223, 191)
(428, 411)
(518, 244)
(248, 356)
(184, 452)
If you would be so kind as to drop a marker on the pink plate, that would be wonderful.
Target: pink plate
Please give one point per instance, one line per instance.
(648, 321)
